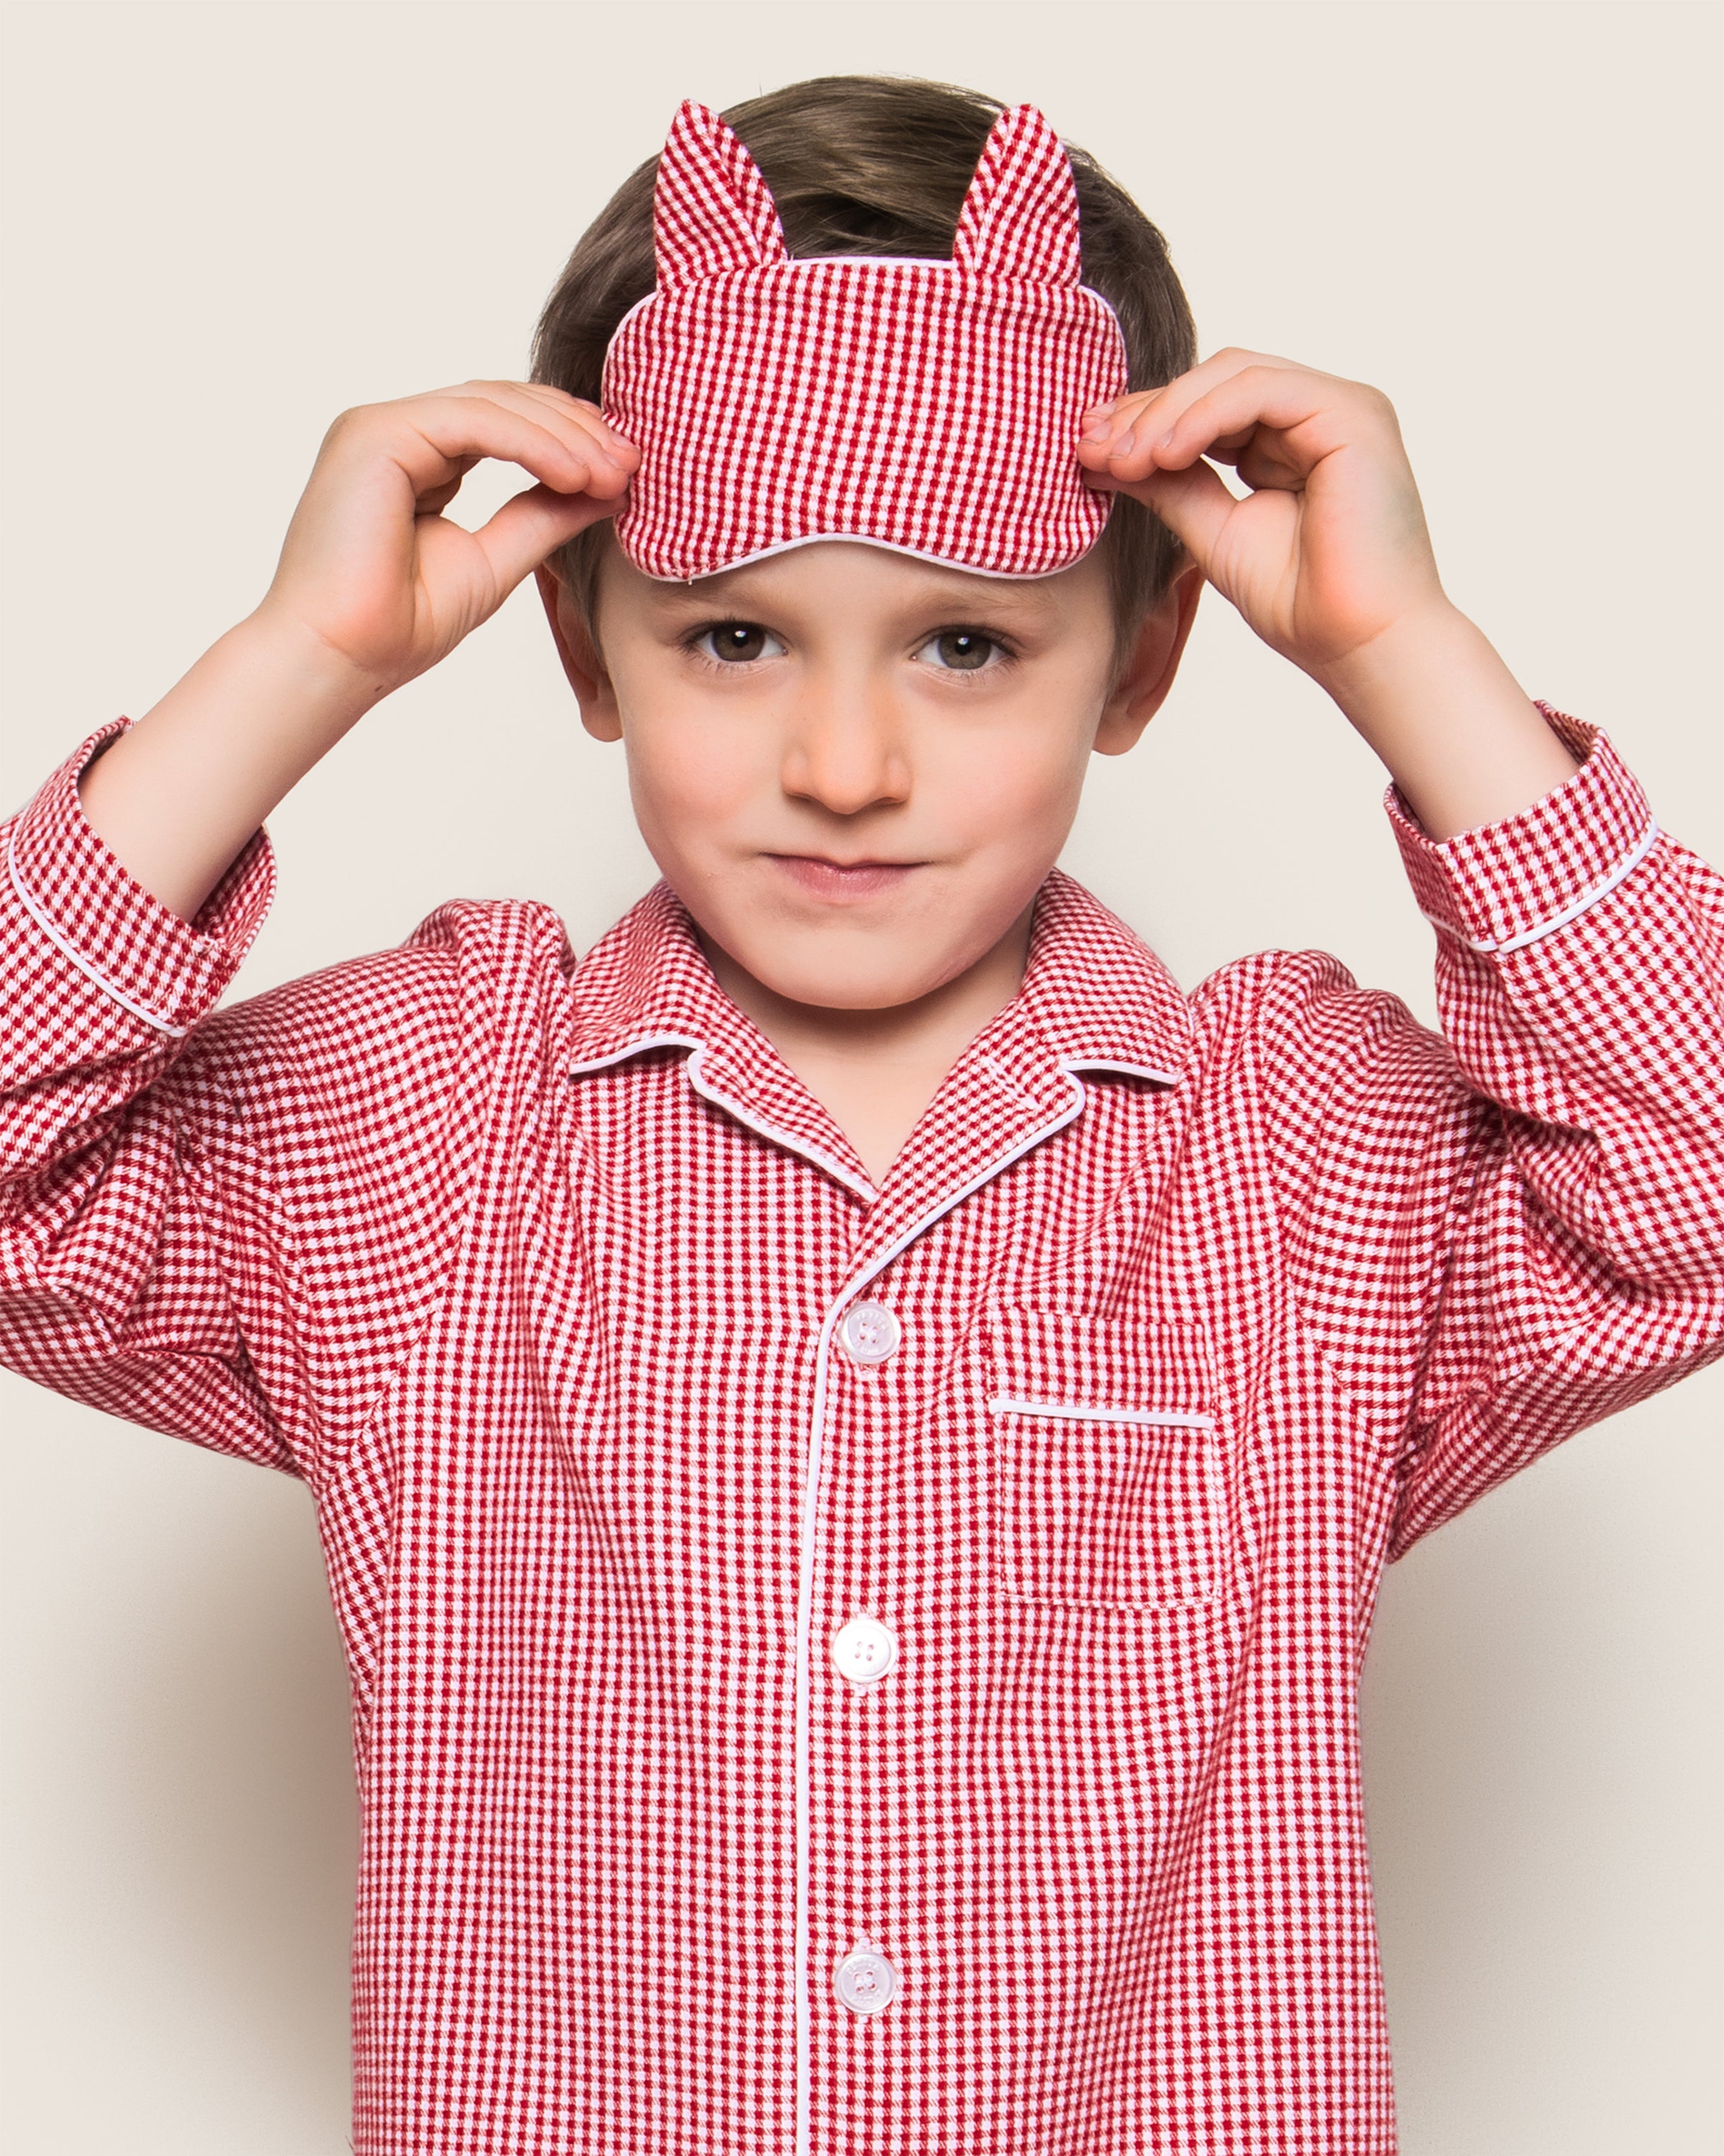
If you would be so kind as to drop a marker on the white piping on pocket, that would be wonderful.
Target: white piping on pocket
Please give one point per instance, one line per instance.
(1074, 1411)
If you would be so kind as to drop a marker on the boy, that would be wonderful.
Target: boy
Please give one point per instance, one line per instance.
(856, 1431)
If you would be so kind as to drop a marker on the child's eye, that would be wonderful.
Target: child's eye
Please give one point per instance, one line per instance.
(965, 651)
(734, 642)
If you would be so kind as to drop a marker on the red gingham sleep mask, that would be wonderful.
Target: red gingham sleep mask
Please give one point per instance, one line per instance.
(933, 407)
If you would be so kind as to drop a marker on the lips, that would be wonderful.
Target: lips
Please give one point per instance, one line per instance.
(842, 880)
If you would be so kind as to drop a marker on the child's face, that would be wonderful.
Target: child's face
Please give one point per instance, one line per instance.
(856, 769)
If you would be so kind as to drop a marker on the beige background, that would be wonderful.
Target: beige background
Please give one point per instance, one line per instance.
(227, 222)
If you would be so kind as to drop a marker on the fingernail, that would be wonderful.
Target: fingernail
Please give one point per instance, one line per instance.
(1125, 441)
(1098, 430)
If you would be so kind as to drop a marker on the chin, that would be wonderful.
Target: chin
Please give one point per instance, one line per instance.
(848, 965)
(880, 976)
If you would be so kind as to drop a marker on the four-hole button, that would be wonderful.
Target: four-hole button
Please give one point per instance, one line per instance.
(870, 1331)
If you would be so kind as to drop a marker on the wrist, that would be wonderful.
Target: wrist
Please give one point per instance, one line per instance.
(1376, 681)
(1464, 742)
(296, 674)
(176, 796)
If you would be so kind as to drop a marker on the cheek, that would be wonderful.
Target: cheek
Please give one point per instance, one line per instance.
(1013, 786)
(690, 778)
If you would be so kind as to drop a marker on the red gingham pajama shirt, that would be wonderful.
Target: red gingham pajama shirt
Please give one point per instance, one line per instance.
(840, 1670)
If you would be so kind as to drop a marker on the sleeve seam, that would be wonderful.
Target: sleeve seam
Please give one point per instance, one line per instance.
(361, 1424)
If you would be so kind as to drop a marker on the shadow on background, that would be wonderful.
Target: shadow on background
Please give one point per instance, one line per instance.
(180, 1838)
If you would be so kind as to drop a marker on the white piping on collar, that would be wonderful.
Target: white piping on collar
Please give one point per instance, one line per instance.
(697, 1078)
(805, 1583)
(632, 1047)
(695, 1071)
(33, 906)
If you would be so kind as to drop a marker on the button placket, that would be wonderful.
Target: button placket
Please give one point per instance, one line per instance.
(863, 1649)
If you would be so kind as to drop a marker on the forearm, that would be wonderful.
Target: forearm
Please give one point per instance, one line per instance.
(176, 796)
(1465, 743)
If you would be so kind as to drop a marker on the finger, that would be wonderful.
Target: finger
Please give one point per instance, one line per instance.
(448, 432)
(1147, 414)
(1263, 462)
(564, 400)
(528, 529)
(1284, 399)
(1307, 414)
(573, 416)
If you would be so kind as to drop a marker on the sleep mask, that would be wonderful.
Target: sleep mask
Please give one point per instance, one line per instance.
(929, 406)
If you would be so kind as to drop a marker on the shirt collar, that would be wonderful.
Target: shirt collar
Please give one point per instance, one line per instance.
(1098, 992)
(1093, 991)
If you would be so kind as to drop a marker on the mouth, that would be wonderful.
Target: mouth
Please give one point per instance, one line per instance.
(822, 878)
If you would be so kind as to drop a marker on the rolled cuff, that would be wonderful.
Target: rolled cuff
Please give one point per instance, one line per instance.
(76, 895)
(1508, 884)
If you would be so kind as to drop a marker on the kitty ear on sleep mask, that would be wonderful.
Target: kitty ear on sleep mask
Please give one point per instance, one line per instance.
(929, 406)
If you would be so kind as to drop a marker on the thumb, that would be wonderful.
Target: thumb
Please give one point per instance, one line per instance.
(1194, 505)
(528, 529)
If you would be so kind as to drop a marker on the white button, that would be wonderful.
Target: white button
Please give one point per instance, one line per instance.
(866, 1980)
(870, 1331)
(863, 1649)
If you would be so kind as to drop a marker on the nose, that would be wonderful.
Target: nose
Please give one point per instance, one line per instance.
(845, 751)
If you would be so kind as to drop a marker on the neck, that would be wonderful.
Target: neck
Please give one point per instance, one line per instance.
(876, 1070)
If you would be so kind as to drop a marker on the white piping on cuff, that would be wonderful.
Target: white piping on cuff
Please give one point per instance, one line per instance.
(1496, 948)
(33, 906)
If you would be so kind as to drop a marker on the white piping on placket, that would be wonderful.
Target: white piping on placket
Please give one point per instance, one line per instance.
(805, 1584)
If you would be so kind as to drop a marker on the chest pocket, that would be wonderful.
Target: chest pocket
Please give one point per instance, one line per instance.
(1104, 1456)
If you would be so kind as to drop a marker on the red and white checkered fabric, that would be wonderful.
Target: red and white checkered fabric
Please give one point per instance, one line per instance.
(1205, 1308)
(931, 406)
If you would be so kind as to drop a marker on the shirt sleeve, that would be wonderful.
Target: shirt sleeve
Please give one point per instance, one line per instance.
(224, 1224)
(1509, 1231)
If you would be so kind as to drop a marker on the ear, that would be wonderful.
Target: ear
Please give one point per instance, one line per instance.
(600, 713)
(1147, 676)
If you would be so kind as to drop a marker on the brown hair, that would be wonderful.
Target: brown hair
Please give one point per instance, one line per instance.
(862, 164)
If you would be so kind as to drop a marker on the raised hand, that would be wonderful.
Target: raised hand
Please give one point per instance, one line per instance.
(373, 568)
(1329, 547)
(1329, 560)
(375, 584)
